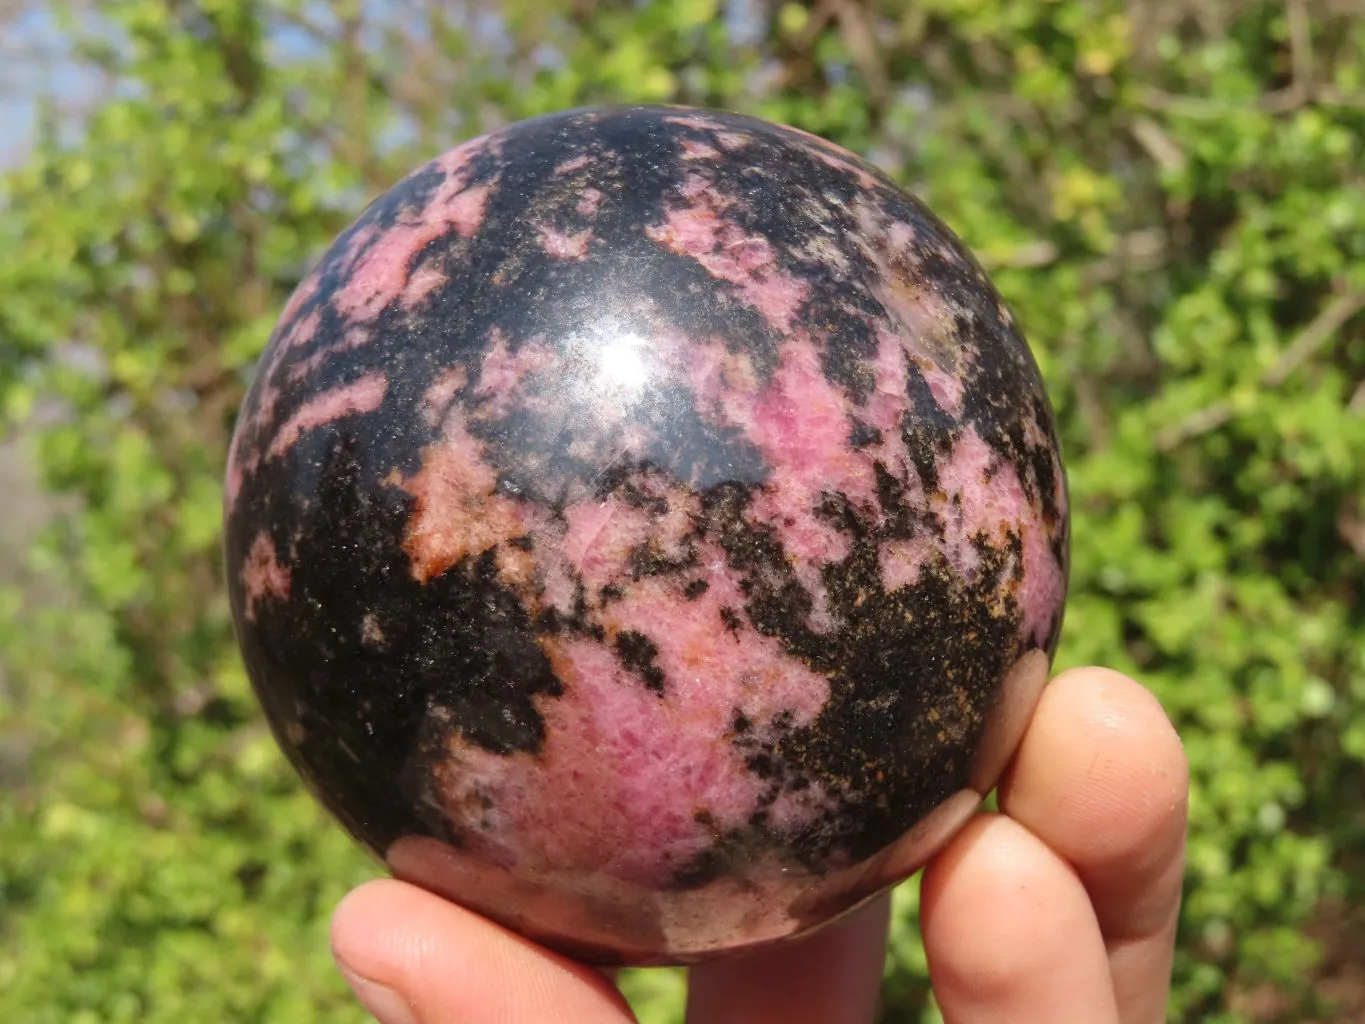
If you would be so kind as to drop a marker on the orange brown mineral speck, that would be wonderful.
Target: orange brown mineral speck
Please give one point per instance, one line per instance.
(370, 630)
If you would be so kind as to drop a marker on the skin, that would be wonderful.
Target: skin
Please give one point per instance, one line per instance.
(1060, 908)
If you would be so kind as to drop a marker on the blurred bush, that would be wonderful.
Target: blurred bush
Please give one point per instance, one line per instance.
(1170, 195)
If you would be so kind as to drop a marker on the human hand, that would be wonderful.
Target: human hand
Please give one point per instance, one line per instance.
(1061, 908)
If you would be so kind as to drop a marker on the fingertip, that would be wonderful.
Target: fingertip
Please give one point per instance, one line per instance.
(442, 962)
(993, 871)
(356, 936)
(359, 934)
(353, 913)
(1101, 775)
(1105, 689)
(1117, 704)
(1010, 932)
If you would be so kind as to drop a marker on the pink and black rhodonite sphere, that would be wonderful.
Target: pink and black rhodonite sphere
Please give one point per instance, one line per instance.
(646, 527)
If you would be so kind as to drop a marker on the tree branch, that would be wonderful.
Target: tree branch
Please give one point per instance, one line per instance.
(855, 27)
(1332, 318)
(1316, 334)
(1301, 90)
(1157, 144)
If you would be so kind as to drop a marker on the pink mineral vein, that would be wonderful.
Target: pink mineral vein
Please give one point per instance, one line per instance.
(946, 388)
(359, 238)
(562, 245)
(236, 469)
(900, 241)
(262, 574)
(457, 160)
(363, 395)
(901, 559)
(268, 395)
(601, 535)
(304, 368)
(437, 398)
(800, 423)
(573, 164)
(642, 766)
(464, 211)
(695, 150)
(556, 585)
(379, 274)
(700, 230)
(306, 290)
(425, 279)
(691, 121)
(503, 370)
(588, 201)
(456, 512)
(993, 505)
(895, 345)
(1043, 588)
(301, 331)
(928, 329)
(864, 179)
(972, 471)
(888, 401)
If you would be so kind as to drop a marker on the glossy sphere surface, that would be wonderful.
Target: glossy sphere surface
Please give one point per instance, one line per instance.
(646, 527)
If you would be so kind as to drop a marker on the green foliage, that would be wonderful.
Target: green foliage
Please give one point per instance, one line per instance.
(1170, 198)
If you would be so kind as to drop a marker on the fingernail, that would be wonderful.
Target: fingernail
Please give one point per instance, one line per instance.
(387, 1005)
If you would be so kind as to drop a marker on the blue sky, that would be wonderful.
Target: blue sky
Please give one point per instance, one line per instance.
(35, 61)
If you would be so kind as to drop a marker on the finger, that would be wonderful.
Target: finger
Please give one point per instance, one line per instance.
(414, 958)
(833, 977)
(1101, 778)
(1010, 932)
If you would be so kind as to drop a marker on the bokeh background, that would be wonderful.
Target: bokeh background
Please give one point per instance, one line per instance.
(1170, 193)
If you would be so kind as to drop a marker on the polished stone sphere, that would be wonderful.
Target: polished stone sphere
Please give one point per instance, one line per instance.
(646, 527)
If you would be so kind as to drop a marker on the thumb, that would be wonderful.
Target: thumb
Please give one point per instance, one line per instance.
(415, 958)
